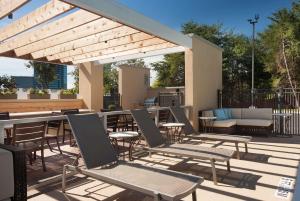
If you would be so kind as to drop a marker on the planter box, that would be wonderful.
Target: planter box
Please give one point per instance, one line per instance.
(36, 96)
(67, 96)
(10, 96)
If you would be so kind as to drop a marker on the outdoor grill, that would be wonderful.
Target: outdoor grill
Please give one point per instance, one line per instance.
(149, 102)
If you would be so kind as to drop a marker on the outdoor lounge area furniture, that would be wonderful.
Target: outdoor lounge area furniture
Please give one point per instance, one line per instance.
(13, 173)
(245, 121)
(66, 127)
(190, 132)
(53, 128)
(156, 143)
(101, 163)
(31, 138)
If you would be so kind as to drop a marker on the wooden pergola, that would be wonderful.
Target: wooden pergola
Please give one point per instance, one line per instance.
(76, 32)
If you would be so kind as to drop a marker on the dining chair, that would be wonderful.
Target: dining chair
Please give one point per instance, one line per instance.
(30, 137)
(53, 128)
(66, 126)
(5, 116)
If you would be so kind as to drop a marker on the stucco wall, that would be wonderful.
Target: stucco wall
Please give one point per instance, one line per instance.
(203, 76)
(133, 85)
(91, 85)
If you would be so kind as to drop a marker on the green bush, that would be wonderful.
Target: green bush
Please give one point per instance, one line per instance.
(38, 91)
(6, 91)
(67, 91)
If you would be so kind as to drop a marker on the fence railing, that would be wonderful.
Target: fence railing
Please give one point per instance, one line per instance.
(281, 100)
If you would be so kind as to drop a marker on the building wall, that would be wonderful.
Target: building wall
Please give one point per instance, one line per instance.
(134, 83)
(30, 82)
(203, 76)
(23, 81)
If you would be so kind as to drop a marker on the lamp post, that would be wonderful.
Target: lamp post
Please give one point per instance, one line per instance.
(253, 22)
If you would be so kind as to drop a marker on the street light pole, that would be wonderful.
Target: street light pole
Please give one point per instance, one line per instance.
(253, 22)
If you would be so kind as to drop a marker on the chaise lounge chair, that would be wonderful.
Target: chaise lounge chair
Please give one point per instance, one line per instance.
(101, 163)
(189, 131)
(156, 143)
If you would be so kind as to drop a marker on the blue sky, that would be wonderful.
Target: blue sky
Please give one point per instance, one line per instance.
(233, 14)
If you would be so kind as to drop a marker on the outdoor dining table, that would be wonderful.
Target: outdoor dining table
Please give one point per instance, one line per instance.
(174, 130)
(7, 128)
(131, 137)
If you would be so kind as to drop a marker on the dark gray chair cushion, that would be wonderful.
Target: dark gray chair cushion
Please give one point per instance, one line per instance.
(90, 135)
(180, 117)
(148, 127)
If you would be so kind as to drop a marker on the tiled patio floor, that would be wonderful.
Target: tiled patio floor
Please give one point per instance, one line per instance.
(254, 177)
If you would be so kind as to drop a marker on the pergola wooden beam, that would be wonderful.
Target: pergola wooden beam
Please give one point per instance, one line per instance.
(161, 49)
(117, 12)
(9, 6)
(121, 48)
(79, 32)
(125, 40)
(71, 21)
(84, 42)
(44, 13)
(121, 53)
(143, 55)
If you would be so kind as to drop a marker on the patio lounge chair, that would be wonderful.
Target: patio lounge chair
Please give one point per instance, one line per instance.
(156, 143)
(189, 131)
(101, 163)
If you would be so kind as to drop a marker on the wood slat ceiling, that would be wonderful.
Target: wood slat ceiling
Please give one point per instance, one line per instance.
(80, 36)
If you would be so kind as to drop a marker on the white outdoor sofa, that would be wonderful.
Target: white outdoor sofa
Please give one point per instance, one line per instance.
(243, 121)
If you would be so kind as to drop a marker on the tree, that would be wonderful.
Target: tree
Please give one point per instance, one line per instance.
(75, 74)
(7, 82)
(44, 72)
(110, 78)
(282, 43)
(170, 71)
(236, 59)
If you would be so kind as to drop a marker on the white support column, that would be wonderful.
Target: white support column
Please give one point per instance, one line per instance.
(133, 85)
(203, 76)
(91, 85)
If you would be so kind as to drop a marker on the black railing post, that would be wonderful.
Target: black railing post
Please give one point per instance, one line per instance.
(220, 98)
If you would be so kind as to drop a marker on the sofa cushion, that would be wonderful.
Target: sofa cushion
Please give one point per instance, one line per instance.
(224, 123)
(228, 113)
(220, 114)
(257, 113)
(254, 122)
(236, 113)
(6, 175)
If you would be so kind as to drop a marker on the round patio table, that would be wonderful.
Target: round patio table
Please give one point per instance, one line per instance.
(281, 120)
(207, 123)
(129, 137)
(174, 131)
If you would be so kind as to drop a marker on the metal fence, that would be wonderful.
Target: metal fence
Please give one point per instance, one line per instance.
(280, 100)
(170, 99)
(111, 99)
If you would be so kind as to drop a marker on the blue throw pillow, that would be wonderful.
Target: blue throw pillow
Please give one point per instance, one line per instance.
(228, 113)
(220, 114)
